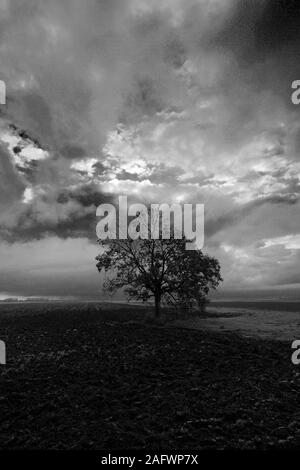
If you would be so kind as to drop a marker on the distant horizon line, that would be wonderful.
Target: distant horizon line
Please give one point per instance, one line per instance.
(66, 299)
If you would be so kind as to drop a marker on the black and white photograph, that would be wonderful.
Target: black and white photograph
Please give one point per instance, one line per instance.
(149, 228)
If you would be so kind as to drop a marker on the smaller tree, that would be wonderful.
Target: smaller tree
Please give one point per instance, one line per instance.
(160, 269)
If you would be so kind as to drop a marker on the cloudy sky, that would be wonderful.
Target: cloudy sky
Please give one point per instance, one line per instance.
(160, 100)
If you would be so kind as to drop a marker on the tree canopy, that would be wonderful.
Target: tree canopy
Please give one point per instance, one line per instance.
(160, 269)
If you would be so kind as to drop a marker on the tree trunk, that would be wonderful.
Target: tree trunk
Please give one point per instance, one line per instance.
(157, 306)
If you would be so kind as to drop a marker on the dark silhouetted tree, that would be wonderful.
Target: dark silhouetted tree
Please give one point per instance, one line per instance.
(160, 269)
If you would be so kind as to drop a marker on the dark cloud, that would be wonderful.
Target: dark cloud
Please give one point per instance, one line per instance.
(236, 216)
(278, 26)
(30, 111)
(73, 152)
(146, 99)
(257, 29)
(68, 214)
(11, 185)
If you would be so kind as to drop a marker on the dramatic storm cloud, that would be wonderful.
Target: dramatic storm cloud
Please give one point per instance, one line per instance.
(160, 100)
